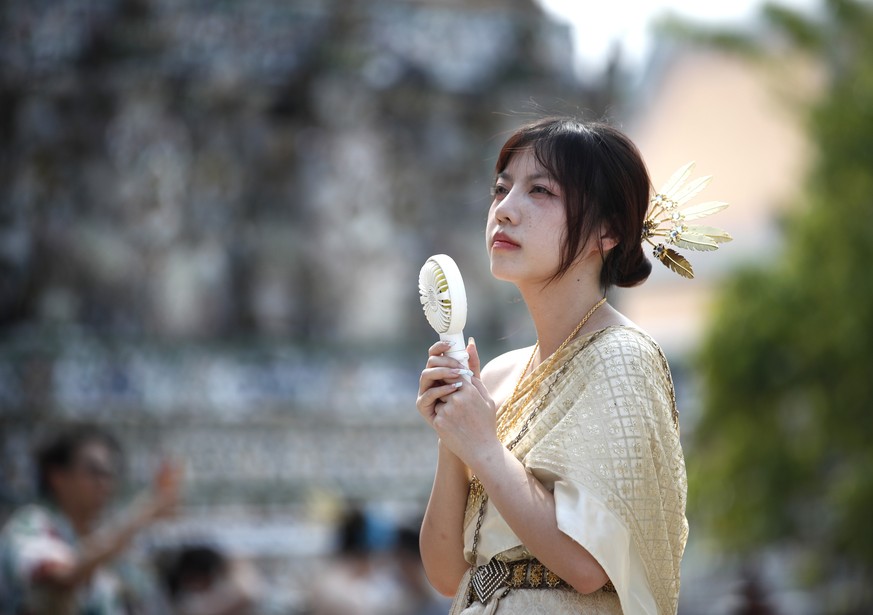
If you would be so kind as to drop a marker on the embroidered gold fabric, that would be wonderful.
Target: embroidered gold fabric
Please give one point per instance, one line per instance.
(603, 435)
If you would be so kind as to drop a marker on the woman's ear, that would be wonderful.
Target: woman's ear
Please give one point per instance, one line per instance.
(607, 240)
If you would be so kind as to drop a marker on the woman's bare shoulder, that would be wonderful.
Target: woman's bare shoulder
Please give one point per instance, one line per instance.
(504, 366)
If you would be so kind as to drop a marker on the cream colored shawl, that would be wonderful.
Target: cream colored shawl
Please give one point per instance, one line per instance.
(605, 439)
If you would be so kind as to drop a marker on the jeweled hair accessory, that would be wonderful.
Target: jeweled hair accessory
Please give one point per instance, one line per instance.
(666, 220)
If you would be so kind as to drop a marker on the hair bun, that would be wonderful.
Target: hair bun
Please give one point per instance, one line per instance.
(626, 268)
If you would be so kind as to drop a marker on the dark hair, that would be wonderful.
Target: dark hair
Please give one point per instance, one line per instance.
(191, 562)
(408, 541)
(603, 180)
(58, 451)
(352, 533)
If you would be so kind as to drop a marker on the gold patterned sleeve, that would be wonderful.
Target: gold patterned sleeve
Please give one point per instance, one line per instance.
(609, 444)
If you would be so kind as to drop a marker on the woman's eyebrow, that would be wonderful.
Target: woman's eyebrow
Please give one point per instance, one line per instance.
(533, 177)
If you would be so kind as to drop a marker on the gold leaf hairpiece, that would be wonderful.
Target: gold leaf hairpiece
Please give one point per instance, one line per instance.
(666, 220)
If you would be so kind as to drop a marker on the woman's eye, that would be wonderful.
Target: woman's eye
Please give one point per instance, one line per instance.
(498, 190)
(541, 190)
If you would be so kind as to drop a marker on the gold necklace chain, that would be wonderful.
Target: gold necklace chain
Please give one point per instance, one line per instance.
(508, 420)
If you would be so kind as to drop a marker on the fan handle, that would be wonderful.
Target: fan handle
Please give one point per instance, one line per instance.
(461, 355)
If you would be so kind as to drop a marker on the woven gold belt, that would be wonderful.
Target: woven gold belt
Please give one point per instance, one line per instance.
(518, 574)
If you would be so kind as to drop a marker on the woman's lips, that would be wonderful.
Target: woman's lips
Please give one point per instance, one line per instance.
(503, 242)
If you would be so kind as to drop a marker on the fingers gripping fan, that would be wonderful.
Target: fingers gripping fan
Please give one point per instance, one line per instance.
(444, 301)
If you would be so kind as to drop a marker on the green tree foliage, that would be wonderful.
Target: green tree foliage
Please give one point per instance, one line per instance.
(783, 454)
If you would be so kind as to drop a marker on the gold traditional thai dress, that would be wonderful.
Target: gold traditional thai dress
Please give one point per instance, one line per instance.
(601, 433)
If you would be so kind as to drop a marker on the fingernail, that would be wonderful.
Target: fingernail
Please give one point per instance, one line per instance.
(463, 372)
(449, 342)
(471, 341)
(458, 384)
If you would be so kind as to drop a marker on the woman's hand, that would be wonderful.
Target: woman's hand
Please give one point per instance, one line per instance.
(463, 414)
(441, 377)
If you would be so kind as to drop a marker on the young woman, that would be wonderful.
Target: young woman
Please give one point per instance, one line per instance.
(560, 485)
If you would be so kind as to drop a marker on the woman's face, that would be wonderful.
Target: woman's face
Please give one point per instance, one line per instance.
(526, 222)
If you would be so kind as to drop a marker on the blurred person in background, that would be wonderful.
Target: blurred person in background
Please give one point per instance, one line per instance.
(560, 484)
(57, 555)
(201, 580)
(357, 581)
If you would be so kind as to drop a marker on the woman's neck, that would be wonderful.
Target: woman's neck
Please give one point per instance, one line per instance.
(557, 308)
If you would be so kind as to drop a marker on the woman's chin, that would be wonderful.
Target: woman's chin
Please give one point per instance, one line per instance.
(505, 274)
(518, 276)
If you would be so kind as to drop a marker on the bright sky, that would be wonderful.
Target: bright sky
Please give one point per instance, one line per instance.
(598, 25)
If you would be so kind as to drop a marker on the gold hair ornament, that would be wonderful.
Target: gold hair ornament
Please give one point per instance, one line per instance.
(666, 220)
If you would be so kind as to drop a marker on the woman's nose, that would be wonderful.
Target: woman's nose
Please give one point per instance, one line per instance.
(507, 210)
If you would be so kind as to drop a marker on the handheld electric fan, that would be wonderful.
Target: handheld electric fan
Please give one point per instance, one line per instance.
(444, 301)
